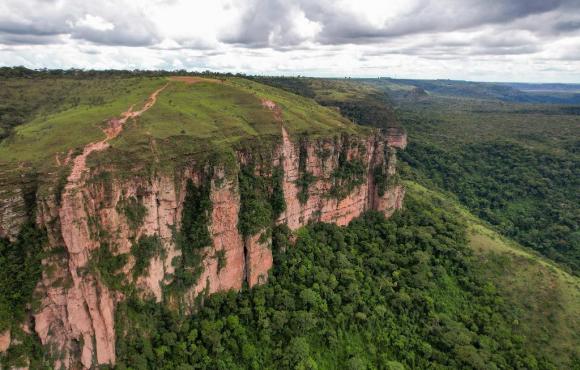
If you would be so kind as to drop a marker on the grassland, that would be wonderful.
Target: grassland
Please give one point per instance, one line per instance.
(58, 128)
(233, 108)
(363, 103)
(188, 120)
(208, 119)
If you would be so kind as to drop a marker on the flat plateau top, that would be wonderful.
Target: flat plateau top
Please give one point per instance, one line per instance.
(217, 112)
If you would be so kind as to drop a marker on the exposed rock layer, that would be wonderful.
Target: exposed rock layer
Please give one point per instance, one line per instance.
(76, 317)
(4, 341)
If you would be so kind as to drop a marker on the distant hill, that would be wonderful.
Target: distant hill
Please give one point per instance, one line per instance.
(506, 92)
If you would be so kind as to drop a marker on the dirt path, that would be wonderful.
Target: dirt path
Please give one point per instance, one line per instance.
(115, 126)
(193, 79)
(274, 108)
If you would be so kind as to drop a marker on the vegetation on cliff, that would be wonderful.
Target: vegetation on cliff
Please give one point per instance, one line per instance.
(347, 176)
(133, 210)
(261, 199)
(107, 263)
(20, 270)
(192, 236)
(305, 177)
(404, 292)
(146, 248)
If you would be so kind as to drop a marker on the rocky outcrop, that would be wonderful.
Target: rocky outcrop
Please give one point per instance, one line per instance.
(4, 341)
(76, 316)
(397, 138)
(227, 241)
(12, 211)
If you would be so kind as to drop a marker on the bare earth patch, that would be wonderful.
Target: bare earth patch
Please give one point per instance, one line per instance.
(274, 108)
(192, 79)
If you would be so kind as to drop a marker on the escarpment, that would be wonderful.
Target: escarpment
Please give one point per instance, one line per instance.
(195, 228)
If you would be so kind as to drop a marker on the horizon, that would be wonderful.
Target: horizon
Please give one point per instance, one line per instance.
(402, 78)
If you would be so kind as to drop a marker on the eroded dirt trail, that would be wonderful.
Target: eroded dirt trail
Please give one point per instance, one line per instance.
(85, 312)
(115, 126)
(274, 108)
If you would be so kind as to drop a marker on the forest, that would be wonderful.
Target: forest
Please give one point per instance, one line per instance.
(379, 294)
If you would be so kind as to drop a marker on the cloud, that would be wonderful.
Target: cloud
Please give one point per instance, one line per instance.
(102, 22)
(492, 39)
(271, 23)
(567, 26)
(28, 39)
(93, 22)
(275, 22)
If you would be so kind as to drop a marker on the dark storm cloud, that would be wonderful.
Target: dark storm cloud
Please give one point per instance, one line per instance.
(29, 21)
(454, 46)
(28, 27)
(454, 15)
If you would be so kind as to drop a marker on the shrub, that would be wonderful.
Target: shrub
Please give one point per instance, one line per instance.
(133, 210)
(146, 248)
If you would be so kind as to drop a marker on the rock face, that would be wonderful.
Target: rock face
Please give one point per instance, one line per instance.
(12, 211)
(4, 341)
(76, 317)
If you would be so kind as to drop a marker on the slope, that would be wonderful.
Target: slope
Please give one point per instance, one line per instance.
(198, 116)
(545, 299)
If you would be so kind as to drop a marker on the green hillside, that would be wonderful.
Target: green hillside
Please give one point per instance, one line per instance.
(216, 116)
(544, 299)
(206, 118)
(65, 114)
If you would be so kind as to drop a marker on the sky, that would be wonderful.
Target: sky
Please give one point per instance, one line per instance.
(480, 40)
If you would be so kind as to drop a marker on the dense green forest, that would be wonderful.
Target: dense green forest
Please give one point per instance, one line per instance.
(516, 168)
(388, 294)
(528, 196)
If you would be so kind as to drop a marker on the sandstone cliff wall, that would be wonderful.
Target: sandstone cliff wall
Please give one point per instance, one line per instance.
(75, 320)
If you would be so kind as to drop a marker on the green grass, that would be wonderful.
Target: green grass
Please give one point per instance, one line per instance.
(24, 99)
(219, 111)
(207, 121)
(545, 298)
(39, 140)
(363, 103)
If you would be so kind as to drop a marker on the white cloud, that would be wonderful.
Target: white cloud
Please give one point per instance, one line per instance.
(93, 22)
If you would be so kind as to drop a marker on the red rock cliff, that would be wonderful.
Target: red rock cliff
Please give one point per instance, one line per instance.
(76, 317)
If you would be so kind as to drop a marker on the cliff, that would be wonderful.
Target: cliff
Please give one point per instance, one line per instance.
(175, 236)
